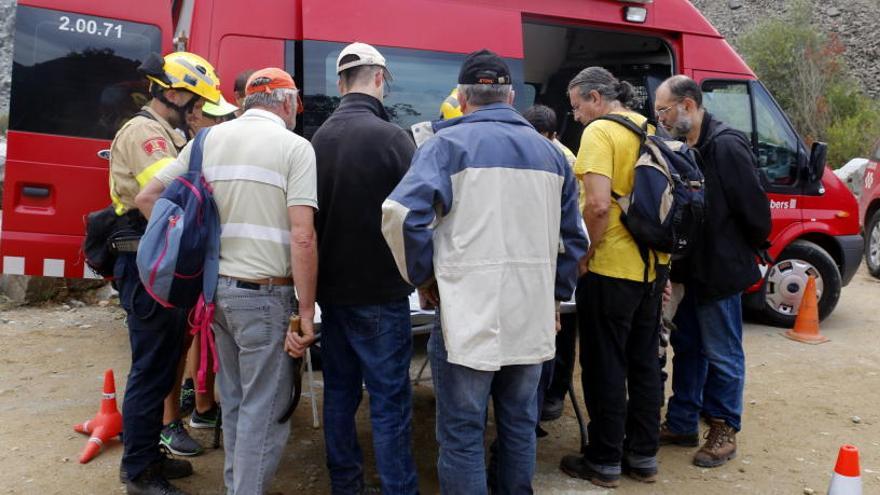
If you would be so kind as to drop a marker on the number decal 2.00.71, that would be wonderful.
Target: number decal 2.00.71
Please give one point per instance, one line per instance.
(89, 26)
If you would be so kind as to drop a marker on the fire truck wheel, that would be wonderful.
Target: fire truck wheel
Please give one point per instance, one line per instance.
(786, 280)
(872, 244)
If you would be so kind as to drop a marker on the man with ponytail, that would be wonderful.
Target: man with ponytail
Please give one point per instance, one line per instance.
(619, 308)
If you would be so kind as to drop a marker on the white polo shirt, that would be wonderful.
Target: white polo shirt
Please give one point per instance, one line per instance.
(257, 168)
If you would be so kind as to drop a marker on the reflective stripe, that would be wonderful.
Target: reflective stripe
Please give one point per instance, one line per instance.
(257, 232)
(148, 173)
(246, 172)
(118, 207)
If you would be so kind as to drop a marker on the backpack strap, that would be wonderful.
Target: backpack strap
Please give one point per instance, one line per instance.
(639, 130)
(195, 155)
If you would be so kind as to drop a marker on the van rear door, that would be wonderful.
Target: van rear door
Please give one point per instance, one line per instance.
(74, 82)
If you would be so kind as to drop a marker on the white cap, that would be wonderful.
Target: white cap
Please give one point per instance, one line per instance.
(366, 55)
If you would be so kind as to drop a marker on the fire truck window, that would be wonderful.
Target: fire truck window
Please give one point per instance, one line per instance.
(422, 80)
(777, 143)
(75, 75)
(729, 101)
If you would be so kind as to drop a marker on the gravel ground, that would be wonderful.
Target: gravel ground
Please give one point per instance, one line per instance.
(800, 402)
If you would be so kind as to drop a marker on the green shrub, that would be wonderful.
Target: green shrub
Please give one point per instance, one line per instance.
(805, 70)
(853, 135)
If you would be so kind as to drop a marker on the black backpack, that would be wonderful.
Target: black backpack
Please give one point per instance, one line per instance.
(665, 210)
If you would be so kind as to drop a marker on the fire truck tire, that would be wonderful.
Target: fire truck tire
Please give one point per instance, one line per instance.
(787, 278)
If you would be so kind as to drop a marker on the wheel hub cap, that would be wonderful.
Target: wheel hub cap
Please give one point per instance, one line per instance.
(874, 246)
(786, 283)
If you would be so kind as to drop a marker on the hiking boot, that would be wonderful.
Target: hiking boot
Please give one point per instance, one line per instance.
(187, 398)
(207, 419)
(577, 466)
(641, 474)
(669, 437)
(170, 468)
(175, 438)
(151, 482)
(552, 409)
(720, 445)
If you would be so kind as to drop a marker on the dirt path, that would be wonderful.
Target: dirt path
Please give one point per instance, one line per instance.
(799, 408)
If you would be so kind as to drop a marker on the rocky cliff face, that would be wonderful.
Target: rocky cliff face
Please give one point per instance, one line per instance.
(855, 22)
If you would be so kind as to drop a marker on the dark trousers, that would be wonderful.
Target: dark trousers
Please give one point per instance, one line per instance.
(563, 362)
(368, 345)
(156, 336)
(621, 379)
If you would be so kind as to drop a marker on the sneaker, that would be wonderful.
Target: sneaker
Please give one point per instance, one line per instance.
(669, 437)
(152, 482)
(207, 419)
(720, 445)
(552, 409)
(187, 398)
(171, 468)
(577, 466)
(175, 438)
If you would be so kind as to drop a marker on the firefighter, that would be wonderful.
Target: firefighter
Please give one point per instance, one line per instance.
(143, 146)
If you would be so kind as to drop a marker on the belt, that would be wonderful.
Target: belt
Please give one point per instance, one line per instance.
(125, 245)
(255, 284)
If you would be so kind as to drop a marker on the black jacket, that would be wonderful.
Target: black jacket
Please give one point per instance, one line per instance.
(361, 157)
(737, 219)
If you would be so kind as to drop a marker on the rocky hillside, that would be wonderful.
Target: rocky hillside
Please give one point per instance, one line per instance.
(853, 21)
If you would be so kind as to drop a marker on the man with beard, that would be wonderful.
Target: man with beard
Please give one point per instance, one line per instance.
(709, 362)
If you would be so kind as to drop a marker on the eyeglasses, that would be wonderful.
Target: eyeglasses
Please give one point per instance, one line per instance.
(662, 110)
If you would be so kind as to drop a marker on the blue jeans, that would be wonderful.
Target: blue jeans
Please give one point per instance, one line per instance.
(255, 381)
(708, 367)
(462, 403)
(156, 335)
(371, 345)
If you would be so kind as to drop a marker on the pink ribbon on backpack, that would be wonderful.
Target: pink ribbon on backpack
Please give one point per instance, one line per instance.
(201, 318)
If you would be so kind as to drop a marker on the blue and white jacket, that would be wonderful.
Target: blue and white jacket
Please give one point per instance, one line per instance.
(489, 208)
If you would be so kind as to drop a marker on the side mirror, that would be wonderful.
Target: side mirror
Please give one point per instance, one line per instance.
(818, 156)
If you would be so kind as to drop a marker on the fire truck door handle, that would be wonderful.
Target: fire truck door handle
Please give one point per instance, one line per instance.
(35, 192)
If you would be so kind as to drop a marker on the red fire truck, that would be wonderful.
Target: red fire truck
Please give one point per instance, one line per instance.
(74, 82)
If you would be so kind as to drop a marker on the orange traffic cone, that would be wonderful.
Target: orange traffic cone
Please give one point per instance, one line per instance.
(105, 425)
(806, 325)
(847, 479)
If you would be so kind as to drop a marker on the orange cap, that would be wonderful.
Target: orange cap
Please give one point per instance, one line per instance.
(268, 79)
(265, 80)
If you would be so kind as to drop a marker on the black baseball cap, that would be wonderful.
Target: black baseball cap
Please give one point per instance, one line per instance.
(484, 67)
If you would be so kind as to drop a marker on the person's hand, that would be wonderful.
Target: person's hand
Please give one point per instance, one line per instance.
(296, 343)
(558, 321)
(429, 295)
(667, 292)
(582, 265)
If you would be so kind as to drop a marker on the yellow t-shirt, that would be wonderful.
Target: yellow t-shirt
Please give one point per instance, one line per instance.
(609, 149)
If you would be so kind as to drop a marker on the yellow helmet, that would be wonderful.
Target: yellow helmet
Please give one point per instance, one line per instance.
(451, 108)
(184, 70)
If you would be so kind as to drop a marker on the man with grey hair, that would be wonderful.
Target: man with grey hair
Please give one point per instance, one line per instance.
(618, 298)
(485, 223)
(366, 335)
(264, 181)
(709, 362)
